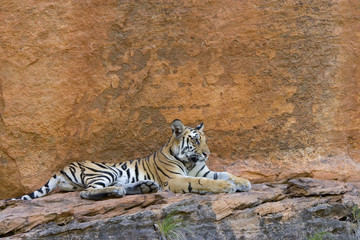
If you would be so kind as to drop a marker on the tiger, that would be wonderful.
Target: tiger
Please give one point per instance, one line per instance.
(178, 166)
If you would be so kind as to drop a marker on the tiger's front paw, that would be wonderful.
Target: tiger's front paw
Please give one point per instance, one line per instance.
(242, 184)
(227, 186)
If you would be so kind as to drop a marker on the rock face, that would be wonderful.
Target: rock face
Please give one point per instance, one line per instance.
(276, 83)
(300, 209)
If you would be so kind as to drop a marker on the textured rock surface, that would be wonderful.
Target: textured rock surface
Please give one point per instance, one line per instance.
(276, 82)
(269, 211)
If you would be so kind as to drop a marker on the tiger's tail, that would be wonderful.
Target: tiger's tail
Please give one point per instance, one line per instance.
(44, 190)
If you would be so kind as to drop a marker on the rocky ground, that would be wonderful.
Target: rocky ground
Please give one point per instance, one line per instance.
(299, 209)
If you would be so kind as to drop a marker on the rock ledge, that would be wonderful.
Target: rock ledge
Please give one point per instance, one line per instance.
(301, 208)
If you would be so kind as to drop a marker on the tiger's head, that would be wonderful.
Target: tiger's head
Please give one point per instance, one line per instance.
(188, 145)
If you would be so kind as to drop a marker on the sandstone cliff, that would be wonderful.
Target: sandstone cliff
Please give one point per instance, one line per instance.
(301, 209)
(276, 83)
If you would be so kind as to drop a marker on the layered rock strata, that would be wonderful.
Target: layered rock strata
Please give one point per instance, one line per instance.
(300, 209)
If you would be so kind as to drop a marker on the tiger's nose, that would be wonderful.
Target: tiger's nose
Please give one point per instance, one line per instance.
(206, 154)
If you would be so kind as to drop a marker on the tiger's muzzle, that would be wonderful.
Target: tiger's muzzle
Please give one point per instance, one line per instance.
(198, 157)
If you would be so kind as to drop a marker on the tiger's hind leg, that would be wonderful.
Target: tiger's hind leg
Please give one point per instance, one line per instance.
(101, 193)
(141, 187)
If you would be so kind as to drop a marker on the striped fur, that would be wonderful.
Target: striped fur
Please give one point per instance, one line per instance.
(179, 166)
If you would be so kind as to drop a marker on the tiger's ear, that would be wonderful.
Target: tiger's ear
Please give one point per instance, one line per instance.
(200, 127)
(177, 127)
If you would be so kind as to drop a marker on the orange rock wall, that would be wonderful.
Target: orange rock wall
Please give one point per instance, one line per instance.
(276, 83)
